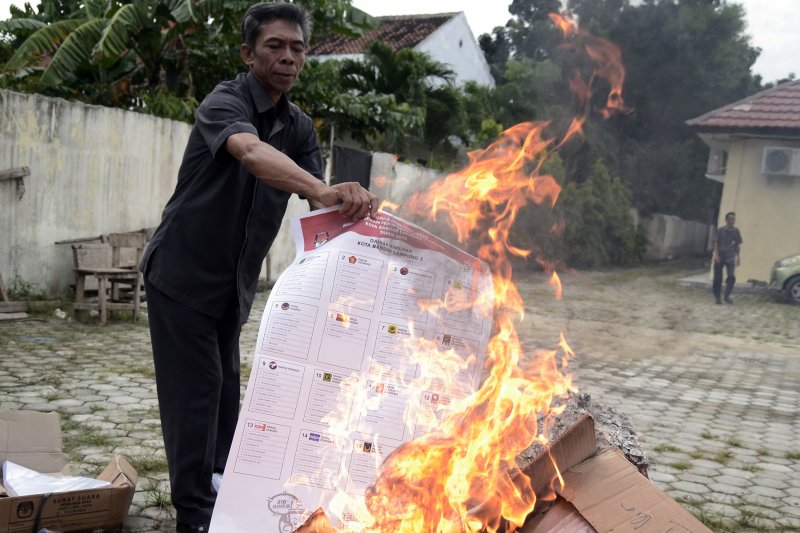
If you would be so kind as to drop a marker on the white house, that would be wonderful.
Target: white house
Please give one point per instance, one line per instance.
(445, 37)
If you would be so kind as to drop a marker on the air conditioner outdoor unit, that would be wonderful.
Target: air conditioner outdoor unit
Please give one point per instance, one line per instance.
(781, 161)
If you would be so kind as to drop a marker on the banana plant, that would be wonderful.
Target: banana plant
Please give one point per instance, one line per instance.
(102, 33)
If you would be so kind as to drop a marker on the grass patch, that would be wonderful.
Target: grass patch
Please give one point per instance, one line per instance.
(747, 518)
(68, 425)
(735, 442)
(697, 454)
(679, 465)
(46, 308)
(710, 520)
(793, 456)
(708, 435)
(146, 464)
(155, 496)
(80, 436)
(52, 379)
(722, 456)
(668, 448)
(147, 371)
(751, 468)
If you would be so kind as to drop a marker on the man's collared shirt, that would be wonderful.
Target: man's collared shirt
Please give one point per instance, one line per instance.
(728, 241)
(221, 220)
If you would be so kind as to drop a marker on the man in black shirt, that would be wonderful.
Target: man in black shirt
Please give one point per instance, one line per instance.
(249, 150)
(726, 254)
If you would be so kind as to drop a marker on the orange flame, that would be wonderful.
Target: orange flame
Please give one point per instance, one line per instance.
(464, 476)
(555, 282)
(607, 58)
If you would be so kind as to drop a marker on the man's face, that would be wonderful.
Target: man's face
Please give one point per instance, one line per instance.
(278, 57)
(730, 220)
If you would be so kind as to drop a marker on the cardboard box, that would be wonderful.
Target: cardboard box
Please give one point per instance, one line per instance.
(602, 492)
(605, 492)
(33, 440)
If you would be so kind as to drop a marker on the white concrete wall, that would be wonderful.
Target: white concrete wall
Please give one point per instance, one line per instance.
(453, 43)
(93, 170)
(395, 181)
(670, 237)
(283, 250)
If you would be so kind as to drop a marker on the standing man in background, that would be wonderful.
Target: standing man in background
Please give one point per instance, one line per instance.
(726, 255)
(249, 150)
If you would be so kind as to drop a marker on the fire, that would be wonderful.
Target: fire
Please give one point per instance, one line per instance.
(555, 282)
(607, 58)
(464, 476)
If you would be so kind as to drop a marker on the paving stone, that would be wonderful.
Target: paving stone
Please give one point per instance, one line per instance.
(735, 481)
(692, 488)
(123, 400)
(707, 464)
(768, 492)
(790, 523)
(792, 504)
(722, 510)
(776, 481)
(677, 389)
(661, 477)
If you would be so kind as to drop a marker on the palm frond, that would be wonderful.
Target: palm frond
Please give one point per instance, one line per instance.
(129, 20)
(14, 25)
(43, 41)
(75, 50)
(97, 8)
(194, 10)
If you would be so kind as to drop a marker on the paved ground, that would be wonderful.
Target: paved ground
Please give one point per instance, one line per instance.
(713, 390)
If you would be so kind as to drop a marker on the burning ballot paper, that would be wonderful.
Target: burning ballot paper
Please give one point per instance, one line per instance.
(368, 340)
(390, 392)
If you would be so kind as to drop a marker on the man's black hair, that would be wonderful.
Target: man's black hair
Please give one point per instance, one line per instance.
(729, 213)
(259, 14)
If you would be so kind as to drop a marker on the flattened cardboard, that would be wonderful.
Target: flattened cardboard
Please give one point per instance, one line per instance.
(612, 495)
(571, 447)
(66, 512)
(560, 518)
(602, 493)
(32, 439)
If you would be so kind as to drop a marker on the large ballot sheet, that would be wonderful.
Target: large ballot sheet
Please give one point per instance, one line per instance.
(367, 340)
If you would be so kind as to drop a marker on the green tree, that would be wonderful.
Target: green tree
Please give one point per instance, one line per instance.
(414, 80)
(158, 56)
(599, 228)
(682, 58)
(376, 120)
(111, 52)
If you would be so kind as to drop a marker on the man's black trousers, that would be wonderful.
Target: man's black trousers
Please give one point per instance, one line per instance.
(730, 280)
(197, 377)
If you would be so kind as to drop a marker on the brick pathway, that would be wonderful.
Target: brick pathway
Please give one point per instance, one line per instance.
(713, 390)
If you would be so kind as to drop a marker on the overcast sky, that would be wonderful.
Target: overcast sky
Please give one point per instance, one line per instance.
(772, 24)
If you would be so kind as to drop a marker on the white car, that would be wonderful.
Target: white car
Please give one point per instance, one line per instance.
(786, 277)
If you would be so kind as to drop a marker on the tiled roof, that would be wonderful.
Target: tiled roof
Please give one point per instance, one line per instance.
(402, 31)
(776, 109)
